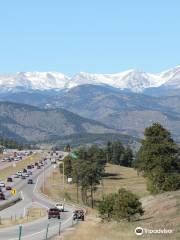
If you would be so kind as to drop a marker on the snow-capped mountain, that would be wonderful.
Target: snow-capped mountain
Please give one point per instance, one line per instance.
(171, 78)
(133, 80)
(33, 81)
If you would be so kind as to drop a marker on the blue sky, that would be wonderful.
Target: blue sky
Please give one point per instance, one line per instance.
(102, 36)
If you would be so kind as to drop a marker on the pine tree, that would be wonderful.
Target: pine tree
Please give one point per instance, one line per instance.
(158, 160)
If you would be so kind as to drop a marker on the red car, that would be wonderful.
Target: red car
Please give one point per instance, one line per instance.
(8, 188)
(2, 197)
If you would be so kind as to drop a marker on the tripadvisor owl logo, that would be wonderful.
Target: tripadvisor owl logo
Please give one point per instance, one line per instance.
(138, 231)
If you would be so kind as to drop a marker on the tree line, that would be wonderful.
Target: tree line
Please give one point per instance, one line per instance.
(12, 144)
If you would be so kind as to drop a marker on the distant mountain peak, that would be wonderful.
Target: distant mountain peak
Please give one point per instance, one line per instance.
(133, 79)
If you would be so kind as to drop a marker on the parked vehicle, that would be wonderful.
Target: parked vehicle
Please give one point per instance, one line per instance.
(8, 188)
(78, 215)
(23, 177)
(53, 213)
(24, 170)
(29, 166)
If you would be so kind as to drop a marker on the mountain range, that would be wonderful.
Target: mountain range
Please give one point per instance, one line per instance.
(132, 80)
(122, 103)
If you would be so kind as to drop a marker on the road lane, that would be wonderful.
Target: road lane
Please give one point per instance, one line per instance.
(36, 229)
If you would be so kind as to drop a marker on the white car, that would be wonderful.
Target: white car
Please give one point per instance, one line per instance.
(19, 173)
(60, 206)
(2, 184)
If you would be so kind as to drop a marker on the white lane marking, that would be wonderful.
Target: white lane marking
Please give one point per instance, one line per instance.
(22, 196)
(36, 185)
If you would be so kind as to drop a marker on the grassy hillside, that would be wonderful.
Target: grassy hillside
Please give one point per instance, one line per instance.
(161, 211)
(115, 178)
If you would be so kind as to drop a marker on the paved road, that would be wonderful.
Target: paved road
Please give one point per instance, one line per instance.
(35, 230)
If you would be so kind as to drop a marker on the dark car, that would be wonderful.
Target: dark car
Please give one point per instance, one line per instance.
(53, 213)
(8, 188)
(30, 181)
(29, 166)
(24, 170)
(9, 179)
(2, 197)
(78, 215)
(36, 164)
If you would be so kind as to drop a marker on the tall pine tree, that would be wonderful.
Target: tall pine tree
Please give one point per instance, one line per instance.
(158, 160)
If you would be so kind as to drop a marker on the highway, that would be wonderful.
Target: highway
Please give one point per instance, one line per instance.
(31, 197)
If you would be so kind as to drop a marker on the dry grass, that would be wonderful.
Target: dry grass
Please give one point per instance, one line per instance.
(10, 170)
(32, 214)
(161, 211)
(116, 177)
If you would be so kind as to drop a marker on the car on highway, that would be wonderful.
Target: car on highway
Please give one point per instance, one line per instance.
(54, 213)
(60, 207)
(78, 214)
(2, 184)
(30, 181)
(8, 188)
(9, 179)
(19, 173)
(2, 196)
(29, 172)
